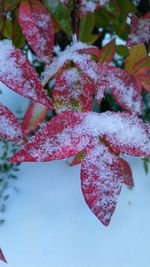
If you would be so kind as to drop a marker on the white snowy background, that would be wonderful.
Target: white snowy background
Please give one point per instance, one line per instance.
(49, 225)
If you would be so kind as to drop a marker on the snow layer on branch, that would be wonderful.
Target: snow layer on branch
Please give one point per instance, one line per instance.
(70, 132)
(71, 53)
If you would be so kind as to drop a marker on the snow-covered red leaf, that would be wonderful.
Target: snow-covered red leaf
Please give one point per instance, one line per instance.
(17, 73)
(34, 115)
(124, 87)
(107, 52)
(37, 26)
(10, 129)
(126, 133)
(55, 140)
(2, 257)
(73, 90)
(139, 30)
(73, 53)
(127, 172)
(101, 180)
(69, 133)
(87, 6)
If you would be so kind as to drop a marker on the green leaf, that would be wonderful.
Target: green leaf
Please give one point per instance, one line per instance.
(60, 14)
(86, 27)
(7, 30)
(17, 35)
(10, 4)
(122, 50)
(107, 52)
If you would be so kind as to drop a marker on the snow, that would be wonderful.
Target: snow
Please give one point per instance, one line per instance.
(48, 223)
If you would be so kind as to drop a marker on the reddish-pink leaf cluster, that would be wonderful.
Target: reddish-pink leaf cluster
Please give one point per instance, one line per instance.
(94, 79)
(102, 137)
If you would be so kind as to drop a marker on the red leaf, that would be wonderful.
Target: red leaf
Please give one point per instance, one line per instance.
(101, 180)
(139, 31)
(124, 87)
(38, 29)
(34, 115)
(126, 133)
(91, 5)
(73, 53)
(107, 52)
(10, 129)
(17, 73)
(56, 140)
(145, 81)
(68, 133)
(2, 257)
(72, 90)
(127, 172)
